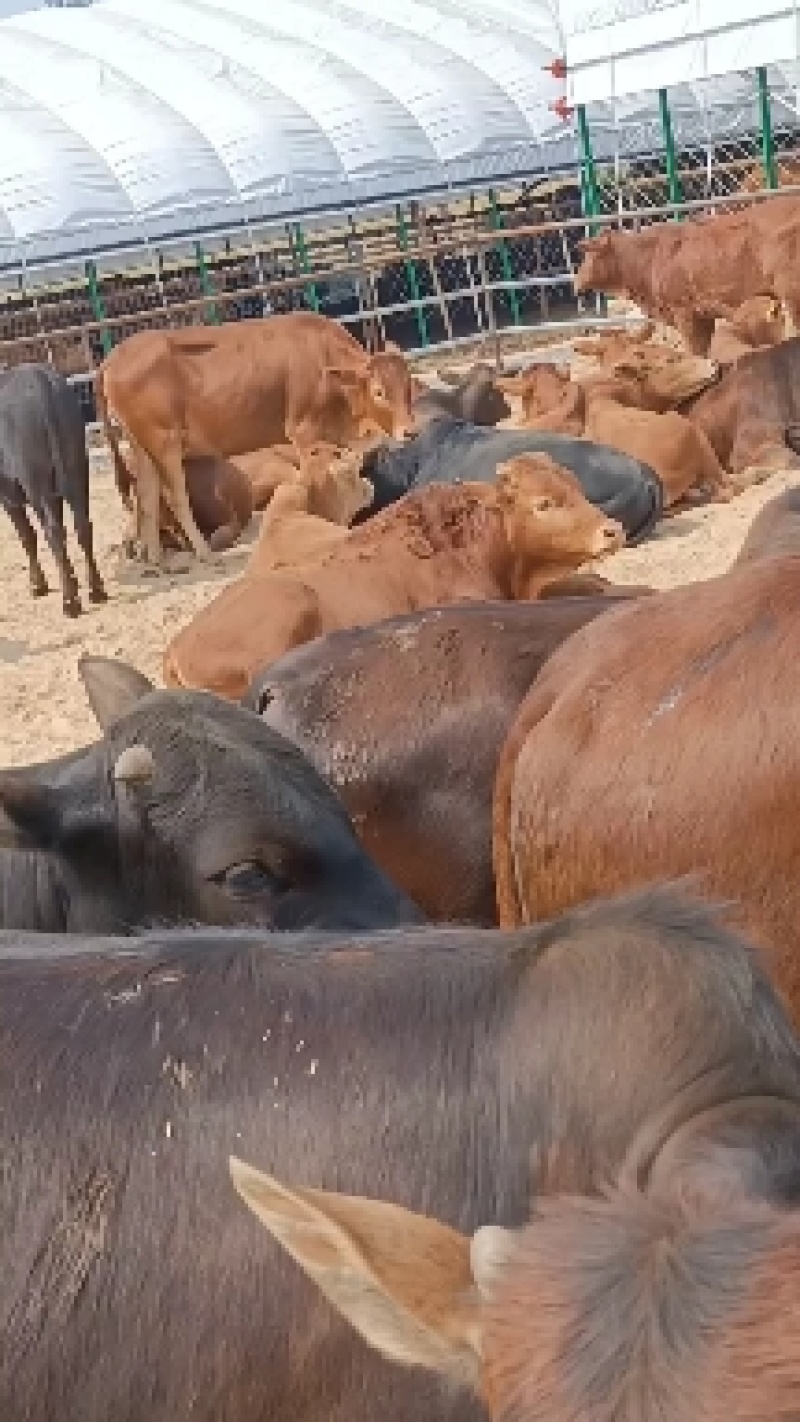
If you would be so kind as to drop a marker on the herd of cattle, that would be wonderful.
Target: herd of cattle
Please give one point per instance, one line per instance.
(398, 915)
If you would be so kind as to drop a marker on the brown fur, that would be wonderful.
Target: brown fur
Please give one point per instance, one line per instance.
(619, 409)
(701, 269)
(439, 544)
(243, 386)
(661, 742)
(638, 1310)
(746, 415)
(310, 515)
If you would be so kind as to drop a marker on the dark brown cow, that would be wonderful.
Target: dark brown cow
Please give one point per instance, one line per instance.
(747, 417)
(406, 719)
(662, 742)
(453, 1071)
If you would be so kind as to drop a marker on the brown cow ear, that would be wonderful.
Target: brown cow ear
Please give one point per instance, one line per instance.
(113, 688)
(344, 376)
(402, 1280)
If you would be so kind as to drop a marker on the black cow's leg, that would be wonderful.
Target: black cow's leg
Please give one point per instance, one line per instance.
(51, 514)
(85, 536)
(27, 537)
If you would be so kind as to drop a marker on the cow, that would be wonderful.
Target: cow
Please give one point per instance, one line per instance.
(446, 543)
(748, 414)
(550, 399)
(293, 379)
(187, 809)
(659, 742)
(406, 719)
(550, 1320)
(454, 1071)
(759, 322)
(620, 409)
(476, 398)
(310, 515)
(221, 500)
(692, 273)
(446, 450)
(44, 465)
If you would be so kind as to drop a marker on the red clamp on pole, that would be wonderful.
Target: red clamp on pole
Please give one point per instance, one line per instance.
(563, 109)
(557, 67)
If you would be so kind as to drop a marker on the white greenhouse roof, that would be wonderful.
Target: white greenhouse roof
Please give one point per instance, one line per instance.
(135, 119)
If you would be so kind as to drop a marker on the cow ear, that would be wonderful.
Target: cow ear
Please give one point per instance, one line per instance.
(113, 688)
(344, 377)
(404, 1281)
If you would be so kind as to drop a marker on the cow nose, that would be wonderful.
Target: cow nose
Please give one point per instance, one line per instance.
(611, 536)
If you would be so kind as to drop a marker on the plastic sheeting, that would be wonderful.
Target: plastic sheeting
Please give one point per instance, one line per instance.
(139, 119)
(703, 52)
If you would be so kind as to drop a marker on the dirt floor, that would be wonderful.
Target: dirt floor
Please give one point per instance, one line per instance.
(42, 707)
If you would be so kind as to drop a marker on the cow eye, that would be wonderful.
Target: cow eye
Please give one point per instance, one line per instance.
(250, 880)
(542, 505)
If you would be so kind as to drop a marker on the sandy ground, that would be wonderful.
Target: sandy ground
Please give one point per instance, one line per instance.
(43, 710)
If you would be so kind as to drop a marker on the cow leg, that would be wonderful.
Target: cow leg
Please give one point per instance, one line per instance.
(51, 515)
(175, 493)
(27, 537)
(85, 536)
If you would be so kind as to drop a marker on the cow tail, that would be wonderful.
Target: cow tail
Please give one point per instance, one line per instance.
(122, 473)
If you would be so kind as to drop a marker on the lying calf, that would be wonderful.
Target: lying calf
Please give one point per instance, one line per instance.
(442, 544)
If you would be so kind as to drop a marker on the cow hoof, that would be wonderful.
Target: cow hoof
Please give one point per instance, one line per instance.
(72, 607)
(98, 594)
(39, 589)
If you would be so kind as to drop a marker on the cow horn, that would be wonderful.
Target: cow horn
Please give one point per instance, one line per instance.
(134, 766)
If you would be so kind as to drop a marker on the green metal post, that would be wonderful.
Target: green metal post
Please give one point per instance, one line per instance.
(206, 283)
(589, 191)
(505, 258)
(412, 278)
(301, 258)
(673, 176)
(767, 145)
(98, 309)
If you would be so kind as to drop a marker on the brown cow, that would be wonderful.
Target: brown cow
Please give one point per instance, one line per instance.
(759, 322)
(748, 415)
(291, 379)
(658, 743)
(310, 515)
(406, 719)
(443, 543)
(696, 271)
(623, 1309)
(620, 410)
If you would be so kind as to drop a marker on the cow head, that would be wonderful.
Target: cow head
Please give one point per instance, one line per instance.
(761, 321)
(547, 518)
(378, 392)
(190, 808)
(336, 490)
(665, 377)
(599, 269)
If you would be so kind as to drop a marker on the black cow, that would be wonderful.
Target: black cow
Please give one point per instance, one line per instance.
(44, 465)
(448, 450)
(473, 397)
(189, 808)
(406, 719)
(454, 1072)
